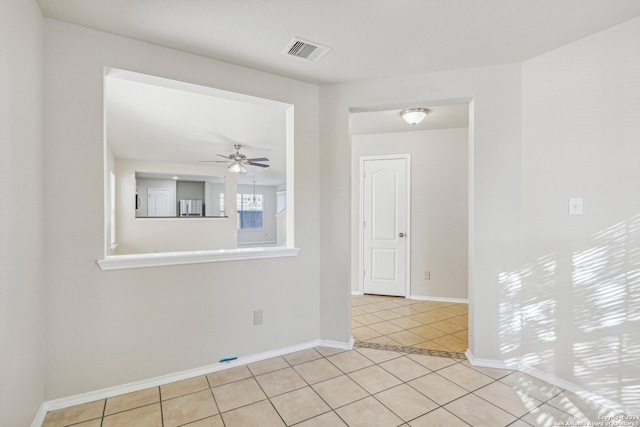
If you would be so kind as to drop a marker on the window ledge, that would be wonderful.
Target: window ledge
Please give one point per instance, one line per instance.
(119, 262)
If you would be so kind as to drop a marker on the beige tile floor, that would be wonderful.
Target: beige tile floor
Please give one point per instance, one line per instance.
(394, 321)
(326, 387)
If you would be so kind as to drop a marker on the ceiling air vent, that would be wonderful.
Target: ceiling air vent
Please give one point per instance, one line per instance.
(306, 50)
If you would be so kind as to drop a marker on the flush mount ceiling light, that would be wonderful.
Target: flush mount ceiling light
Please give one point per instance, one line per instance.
(413, 116)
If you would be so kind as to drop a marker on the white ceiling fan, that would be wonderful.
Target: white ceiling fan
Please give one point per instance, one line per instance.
(239, 161)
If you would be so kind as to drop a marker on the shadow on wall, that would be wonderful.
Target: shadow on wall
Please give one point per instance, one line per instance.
(576, 313)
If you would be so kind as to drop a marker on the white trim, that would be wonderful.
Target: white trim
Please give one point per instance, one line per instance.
(106, 393)
(439, 299)
(110, 263)
(407, 157)
(491, 363)
(118, 262)
(518, 365)
(425, 298)
(361, 228)
(408, 234)
(39, 418)
(337, 344)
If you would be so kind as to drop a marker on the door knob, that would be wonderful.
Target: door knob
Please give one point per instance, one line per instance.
(401, 234)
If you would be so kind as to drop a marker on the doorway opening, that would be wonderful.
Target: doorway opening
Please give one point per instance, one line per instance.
(428, 313)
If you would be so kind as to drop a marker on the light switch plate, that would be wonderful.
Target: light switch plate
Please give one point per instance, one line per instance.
(575, 206)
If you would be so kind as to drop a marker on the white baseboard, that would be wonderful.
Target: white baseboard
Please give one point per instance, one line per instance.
(426, 298)
(337, 344)
(105, 393)
(42, 412)
(439, 299)
(491, 363)
(551, 379)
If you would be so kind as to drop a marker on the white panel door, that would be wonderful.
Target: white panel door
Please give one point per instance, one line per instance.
(384, 226)
(159, 202)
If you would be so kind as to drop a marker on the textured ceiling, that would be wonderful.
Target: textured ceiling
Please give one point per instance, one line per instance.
(369, 38)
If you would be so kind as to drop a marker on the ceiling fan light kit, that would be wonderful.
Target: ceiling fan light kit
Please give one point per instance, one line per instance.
(413, 116)
(237, 167)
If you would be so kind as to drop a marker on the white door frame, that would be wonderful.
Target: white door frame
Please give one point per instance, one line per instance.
(407, 240)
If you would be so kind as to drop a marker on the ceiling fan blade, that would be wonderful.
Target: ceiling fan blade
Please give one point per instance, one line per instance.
(226, 157)
(259, 159)
(258, 164)
(213, 161)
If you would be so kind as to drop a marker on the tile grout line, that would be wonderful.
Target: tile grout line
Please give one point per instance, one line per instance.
(328, 379)
(439, 406)
(161, 406)
(490, 403)
(470, 392)
(264, 392)
(242, 406)
(467, 394)
(104, 410)
(421, 322)
(347, 375)
(355, 382)
(542, 402)
(254, 377)
(215, 402)
(402, 382)
(331, 409)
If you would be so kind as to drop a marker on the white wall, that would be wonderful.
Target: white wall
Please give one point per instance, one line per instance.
(212, 198)
(107, 328)
(494, 156)
(439, 211)
(572, 308)
(22, 283)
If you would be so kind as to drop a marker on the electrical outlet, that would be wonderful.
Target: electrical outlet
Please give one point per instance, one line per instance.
(257, 317)
(427, 275)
